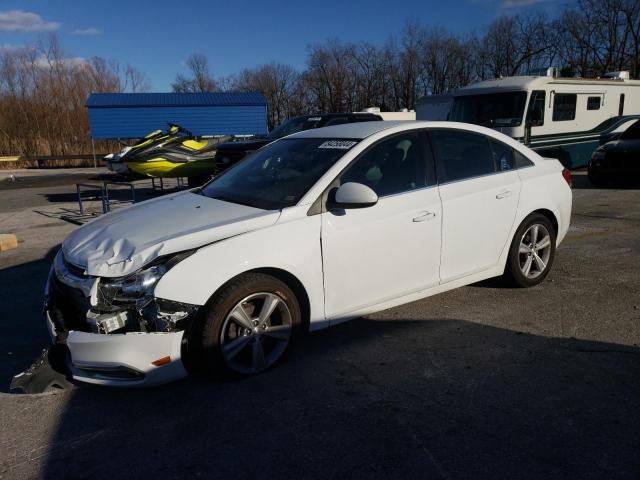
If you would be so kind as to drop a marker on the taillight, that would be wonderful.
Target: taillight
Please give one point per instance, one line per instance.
(567, 175)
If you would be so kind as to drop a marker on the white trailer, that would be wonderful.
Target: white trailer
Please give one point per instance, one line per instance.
(403, 114)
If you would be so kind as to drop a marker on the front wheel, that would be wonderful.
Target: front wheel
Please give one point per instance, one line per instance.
(532, 252)
(248, 327)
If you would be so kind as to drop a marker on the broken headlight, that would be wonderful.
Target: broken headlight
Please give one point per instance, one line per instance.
(141, 284)
(128, 303)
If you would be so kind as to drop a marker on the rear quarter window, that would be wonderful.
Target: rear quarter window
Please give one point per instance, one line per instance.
(520, 161)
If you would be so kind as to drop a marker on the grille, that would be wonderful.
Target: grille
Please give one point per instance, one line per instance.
(68, 307)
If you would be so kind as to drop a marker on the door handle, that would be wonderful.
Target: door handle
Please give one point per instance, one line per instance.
(503, 194)
(424, 216)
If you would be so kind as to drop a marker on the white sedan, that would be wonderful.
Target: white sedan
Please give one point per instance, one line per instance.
(314, 229)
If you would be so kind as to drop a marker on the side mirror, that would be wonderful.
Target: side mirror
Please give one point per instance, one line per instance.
(353, 195)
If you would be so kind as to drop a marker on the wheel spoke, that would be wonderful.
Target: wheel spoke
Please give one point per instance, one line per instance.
(526, 268)
(544, 243)
(534, 234)
(279, 332)
(235, 346)
(524, 248)
(268, 307)
(240, 315)
(539, 262)
(259, 362)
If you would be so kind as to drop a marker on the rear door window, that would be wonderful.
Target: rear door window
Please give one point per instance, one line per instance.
(461, 155)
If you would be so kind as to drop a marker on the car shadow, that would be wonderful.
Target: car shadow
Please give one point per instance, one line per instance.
(23, 333)
(375, 399)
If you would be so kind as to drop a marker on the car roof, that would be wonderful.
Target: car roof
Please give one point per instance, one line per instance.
(358, 130)
(330, 115)
(362, 130)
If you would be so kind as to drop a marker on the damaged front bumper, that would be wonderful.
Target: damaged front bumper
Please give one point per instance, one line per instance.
(124, 360)
(113, 352)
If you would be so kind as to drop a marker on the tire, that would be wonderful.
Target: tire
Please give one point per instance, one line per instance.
(596, 180)
(523, 269)
(212, 349)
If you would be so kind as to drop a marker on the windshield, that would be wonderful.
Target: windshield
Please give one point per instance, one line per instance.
(490, 109)
(632, 133)
(278, 175)
(294, 125)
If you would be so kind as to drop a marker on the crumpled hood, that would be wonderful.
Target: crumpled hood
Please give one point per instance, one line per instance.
(119, 243)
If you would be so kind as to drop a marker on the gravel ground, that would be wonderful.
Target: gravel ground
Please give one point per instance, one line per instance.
(480, 382)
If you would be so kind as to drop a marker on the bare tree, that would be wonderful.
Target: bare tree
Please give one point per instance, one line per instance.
(42, 98)
(200, 80)
(135, 80)
(277, 82)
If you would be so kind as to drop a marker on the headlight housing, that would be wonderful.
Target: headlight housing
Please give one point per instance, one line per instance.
(133, 295)
(142, 283)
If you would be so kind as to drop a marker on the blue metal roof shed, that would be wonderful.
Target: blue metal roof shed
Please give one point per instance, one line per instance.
(133, 115)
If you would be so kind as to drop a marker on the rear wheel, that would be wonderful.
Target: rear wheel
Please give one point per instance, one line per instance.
(532, 252)
(248, 327)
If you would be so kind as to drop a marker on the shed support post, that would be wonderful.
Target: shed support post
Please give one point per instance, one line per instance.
(93, 149)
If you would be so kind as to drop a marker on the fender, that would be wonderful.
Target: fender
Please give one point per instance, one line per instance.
(287, 245)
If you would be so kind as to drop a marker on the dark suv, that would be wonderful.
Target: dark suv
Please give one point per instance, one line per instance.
(230, 152)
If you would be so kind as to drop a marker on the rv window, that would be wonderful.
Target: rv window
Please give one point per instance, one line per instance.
(461, 155)
(564, 107)
(535, 116)
(490, 109)
(621, 107)
(593, 103)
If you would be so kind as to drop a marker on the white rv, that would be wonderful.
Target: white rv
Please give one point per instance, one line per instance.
(563, 118)
(434, 107)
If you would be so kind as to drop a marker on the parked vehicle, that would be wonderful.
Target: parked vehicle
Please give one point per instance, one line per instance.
(314, 229)
(563, 118)
(618, 160)
(231, 152)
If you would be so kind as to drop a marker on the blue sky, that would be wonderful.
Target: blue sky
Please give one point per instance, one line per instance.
(158, 36)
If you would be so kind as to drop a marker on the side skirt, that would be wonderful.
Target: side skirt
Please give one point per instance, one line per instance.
(419, 295)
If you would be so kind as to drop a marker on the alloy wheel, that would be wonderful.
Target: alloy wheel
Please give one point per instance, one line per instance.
(256, 332)
(534, 251)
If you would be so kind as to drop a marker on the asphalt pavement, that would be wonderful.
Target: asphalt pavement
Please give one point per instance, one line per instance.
(481, 382)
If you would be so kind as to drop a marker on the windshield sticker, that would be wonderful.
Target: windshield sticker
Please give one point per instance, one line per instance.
(339, 144)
